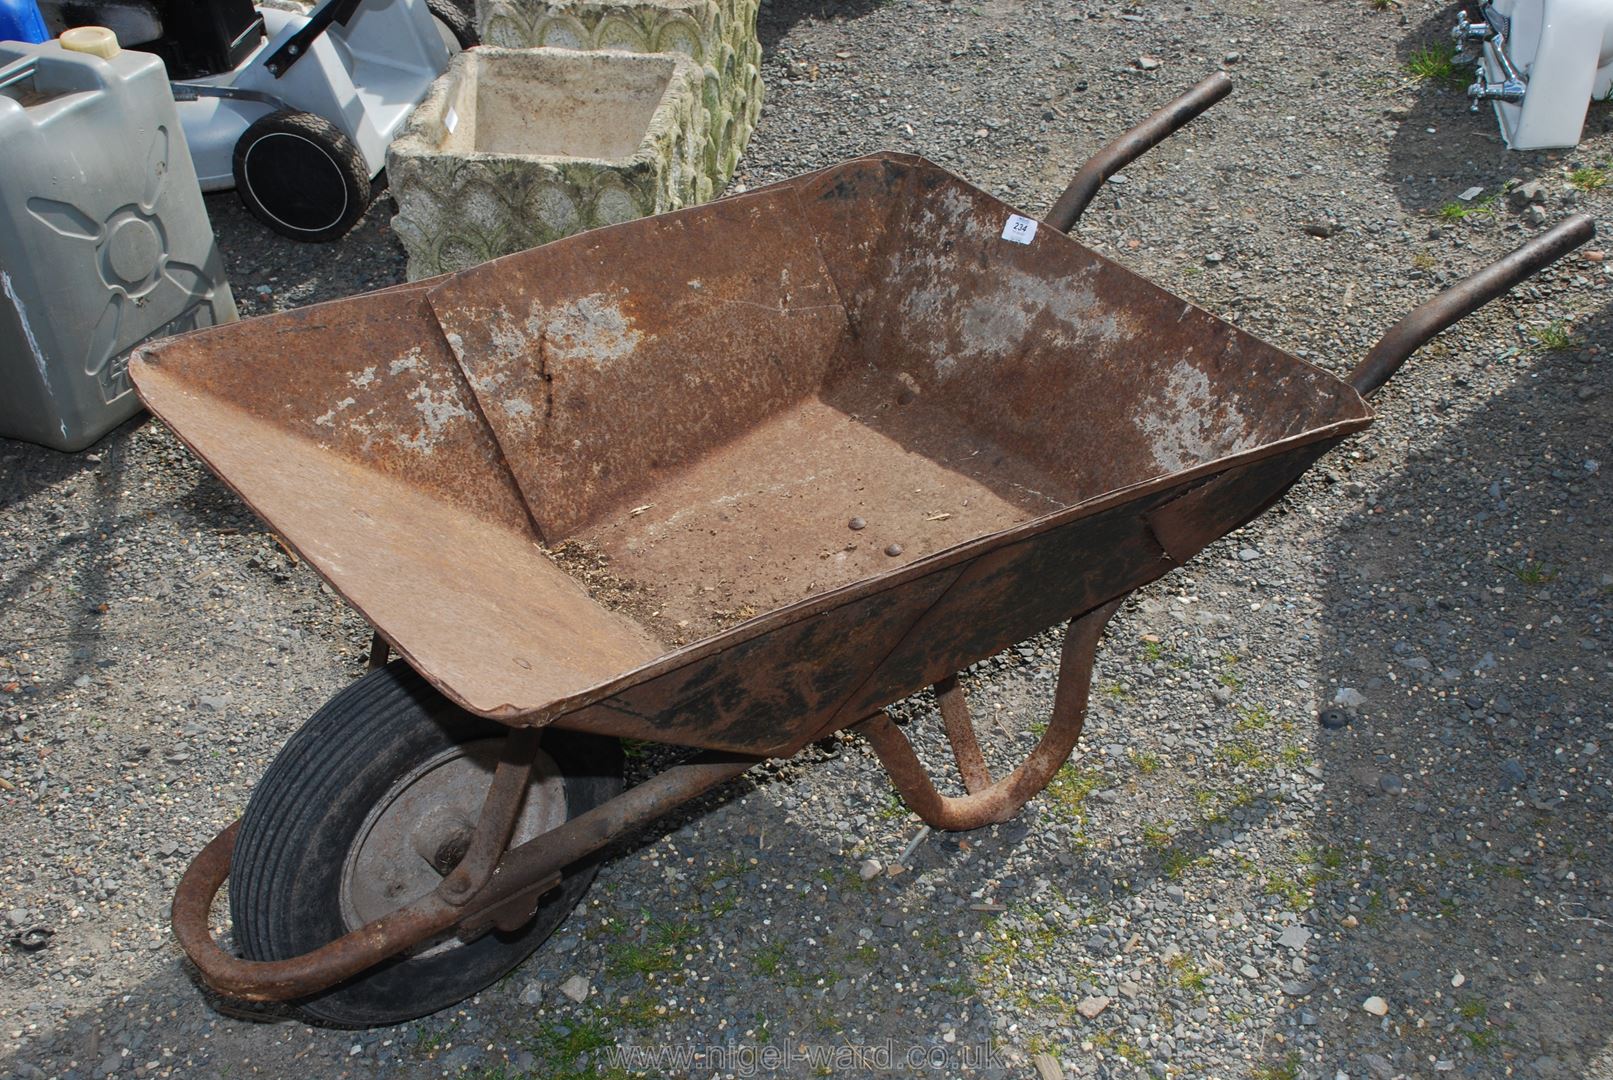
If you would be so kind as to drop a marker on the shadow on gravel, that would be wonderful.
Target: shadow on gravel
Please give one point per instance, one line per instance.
(776, 18)
(82, 545)
(1482, 644)
(1439, 148)
(26, 469)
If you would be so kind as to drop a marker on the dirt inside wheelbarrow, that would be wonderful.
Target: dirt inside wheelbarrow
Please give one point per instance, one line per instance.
(772, 519)
(544, 473)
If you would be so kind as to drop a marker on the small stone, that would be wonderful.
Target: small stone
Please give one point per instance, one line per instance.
(1221, 694)
(893, 550)
(856, 524)
(1390, 784)
(1148, 63)
(1295, 937)
(869, 869)
(1513, 772)
(1536, 215)
(1214, 258)
(1090, 1007)
(1249, 971)
(1350, 922)
(1471, 193)
(1530, 194)
(1232, 58)
(1380, 1066)
(1349, 697)
(1376, 1006)
(1247, 554)
(576, 988)
(213, 702)
(532, 993)
(1458, 979)
(1320, 229)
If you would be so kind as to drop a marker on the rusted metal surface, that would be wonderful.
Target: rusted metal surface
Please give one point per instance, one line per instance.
(704, 401)
(518, 872)
(960, 733)
(988, 802)
(496, 823)
(1466, 297)
(283, 980)
(1132, 145)
(380, 653)
(604, 366)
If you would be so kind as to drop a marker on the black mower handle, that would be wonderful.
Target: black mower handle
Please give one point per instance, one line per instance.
(1466, 297)
(1131, 146)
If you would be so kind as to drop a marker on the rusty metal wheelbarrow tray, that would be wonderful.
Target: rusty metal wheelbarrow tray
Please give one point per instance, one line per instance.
(740, 476)
(706, 399)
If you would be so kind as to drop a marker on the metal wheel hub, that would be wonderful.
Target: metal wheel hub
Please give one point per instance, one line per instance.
(419, 830)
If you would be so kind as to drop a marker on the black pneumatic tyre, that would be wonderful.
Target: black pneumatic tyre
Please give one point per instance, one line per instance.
(301, 175)
(457, 20)
(332, 837)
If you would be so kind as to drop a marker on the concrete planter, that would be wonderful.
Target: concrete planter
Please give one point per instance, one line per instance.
(514, 148)
(719, 35)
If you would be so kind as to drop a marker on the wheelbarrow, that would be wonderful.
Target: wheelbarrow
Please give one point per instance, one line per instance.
(733, 478)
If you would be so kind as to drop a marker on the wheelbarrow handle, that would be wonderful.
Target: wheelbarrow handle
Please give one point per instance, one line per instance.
(1131, 146)
(1466, 297)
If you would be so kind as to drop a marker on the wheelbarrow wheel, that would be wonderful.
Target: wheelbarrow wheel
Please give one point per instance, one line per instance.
(364, 811)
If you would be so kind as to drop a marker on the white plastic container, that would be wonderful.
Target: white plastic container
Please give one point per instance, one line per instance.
(104, 239)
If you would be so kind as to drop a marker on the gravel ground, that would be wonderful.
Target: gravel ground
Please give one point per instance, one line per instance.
(1219, 885)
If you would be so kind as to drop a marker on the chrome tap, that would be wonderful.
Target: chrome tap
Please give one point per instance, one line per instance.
(1467, 31)
(1510, 90)
(1512, 85)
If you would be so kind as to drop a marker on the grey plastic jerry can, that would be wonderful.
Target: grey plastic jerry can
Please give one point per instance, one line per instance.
(104, 239)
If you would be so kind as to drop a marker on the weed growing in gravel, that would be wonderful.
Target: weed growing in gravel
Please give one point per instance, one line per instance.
(1145, 762)
(1286, 1069)
(1188, 974)
(769, 958)
(1423, 261)
(660, 951)
(1069, 788)
(1297, 888)
(1253, 718)
(1108, 1040)
(558, 1045)
(1243, 754)
(1156, 835)
(1117, 692)
(429, 1041)
(1456, 211)
(1589, 178)
(1555, 338)
(1533, 572)
(1434, 63)
(1176, 862)
(894, 807)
